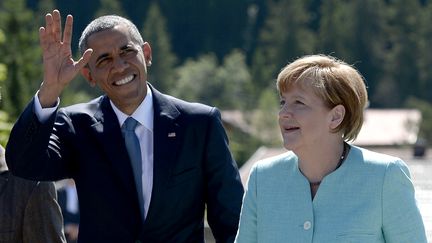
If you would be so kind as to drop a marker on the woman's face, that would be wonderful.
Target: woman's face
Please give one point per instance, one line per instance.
(304, 119)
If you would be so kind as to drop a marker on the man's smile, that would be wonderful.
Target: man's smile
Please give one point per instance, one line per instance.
(125, 80)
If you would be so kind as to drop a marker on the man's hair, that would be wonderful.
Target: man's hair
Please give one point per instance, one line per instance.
(105, 23)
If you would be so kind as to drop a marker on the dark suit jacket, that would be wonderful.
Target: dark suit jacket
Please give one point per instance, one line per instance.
(29, 211)
(193, 170)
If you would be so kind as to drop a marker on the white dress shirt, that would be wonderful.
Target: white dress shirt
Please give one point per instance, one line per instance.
(144, 130)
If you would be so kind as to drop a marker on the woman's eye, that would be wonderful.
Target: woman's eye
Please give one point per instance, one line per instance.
(282, 103)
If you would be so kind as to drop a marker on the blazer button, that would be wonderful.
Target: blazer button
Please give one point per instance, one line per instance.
(307, 225)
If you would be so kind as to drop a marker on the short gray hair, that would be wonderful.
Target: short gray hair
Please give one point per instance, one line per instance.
(105, 23)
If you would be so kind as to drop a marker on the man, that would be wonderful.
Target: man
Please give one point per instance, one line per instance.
(184, 164)
(28, 210)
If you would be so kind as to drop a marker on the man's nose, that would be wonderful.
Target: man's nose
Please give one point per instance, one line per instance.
(120, 64)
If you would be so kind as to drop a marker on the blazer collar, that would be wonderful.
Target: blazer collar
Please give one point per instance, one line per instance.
(143, 114)
(163, 106)
(167, 136)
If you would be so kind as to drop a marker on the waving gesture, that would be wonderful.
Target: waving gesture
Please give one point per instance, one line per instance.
(59, 66)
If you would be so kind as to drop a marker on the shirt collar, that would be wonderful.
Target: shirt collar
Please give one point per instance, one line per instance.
(143, 114)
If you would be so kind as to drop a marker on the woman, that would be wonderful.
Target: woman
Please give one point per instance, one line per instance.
(325, 190)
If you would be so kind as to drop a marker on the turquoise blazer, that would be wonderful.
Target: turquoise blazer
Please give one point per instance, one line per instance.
(369, 198)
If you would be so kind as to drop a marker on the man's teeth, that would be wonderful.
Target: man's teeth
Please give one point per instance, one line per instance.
(124, 80)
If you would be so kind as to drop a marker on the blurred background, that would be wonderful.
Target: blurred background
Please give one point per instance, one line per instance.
(227, 54)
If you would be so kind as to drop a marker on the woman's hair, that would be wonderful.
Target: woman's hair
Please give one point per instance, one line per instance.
(335, 82)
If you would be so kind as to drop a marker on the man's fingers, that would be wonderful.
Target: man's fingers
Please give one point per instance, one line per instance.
(67, 35)
(49, 23)
(85, 58)
(42, 38)
(56, 25)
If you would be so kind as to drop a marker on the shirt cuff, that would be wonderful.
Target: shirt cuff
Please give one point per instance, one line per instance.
(44, 113)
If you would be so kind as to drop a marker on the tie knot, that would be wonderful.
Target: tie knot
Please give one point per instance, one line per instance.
(130, 124)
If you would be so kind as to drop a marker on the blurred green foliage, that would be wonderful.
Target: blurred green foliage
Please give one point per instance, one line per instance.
(5, 125)
(5, 128)
(228, 53)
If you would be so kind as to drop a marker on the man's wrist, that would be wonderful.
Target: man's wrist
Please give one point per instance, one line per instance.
(43, 113)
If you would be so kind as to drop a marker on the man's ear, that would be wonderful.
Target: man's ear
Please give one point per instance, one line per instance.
(85, 71)
(337, 116)
(147, 53)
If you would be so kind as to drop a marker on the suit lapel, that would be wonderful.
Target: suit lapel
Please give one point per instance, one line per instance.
(166, 137)
(109, 135)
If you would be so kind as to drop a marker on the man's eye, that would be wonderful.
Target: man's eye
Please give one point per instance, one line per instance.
(103, 62)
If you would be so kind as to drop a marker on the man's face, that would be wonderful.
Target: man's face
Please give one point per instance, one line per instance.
(118, 67)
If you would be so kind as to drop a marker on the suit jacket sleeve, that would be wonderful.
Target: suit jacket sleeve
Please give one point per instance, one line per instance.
(34, 150)
(43, 221)
(402, 221)
(247, 232)
(224, 188)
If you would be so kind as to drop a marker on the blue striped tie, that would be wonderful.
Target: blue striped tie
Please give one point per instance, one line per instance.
(134, 151)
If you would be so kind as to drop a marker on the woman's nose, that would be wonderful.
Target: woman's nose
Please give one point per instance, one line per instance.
(285, 111)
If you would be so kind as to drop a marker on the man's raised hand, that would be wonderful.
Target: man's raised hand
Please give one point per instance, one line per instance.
(59, 66)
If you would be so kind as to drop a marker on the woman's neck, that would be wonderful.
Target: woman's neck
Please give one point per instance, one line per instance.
(318, 161)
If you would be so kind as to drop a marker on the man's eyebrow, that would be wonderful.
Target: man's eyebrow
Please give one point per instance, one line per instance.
(127, 46)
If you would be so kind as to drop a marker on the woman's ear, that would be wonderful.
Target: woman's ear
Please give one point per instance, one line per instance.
(337, 116)
(85, 71)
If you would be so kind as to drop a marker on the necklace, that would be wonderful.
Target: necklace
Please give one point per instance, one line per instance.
(341, 160)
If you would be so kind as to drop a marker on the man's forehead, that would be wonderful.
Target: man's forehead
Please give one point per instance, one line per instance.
(116, 37)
